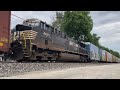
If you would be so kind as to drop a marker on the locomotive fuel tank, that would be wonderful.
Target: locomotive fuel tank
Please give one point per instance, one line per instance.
(70, 57)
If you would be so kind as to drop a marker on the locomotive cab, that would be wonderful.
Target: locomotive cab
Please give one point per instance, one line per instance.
(16, 32)
(21, 41)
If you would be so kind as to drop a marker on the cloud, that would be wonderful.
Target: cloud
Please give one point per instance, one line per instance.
(103, 17)
(107, 26)
(45, 16)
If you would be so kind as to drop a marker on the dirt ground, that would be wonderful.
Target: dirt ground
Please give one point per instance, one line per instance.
(110, 71)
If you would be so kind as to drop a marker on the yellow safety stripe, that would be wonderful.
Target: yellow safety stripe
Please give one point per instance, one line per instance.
(1, 44)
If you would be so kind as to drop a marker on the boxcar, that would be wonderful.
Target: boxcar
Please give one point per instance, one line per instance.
(4, 31)
(117, 59)
(93, 52)
(108, 57)
(102, 55)
(113, 58)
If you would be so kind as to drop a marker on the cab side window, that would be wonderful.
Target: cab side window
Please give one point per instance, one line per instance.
(42, 25)
(47, 27)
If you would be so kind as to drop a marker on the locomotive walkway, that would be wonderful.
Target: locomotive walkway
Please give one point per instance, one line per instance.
(110, 71)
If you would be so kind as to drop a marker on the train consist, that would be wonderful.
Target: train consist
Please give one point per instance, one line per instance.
(36, 40)
(98, 54)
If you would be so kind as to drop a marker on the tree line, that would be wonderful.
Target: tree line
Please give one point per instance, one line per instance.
(78, 25)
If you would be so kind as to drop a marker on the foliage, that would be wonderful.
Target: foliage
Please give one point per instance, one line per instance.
(59, 17)
(78, 25)
(95, 39)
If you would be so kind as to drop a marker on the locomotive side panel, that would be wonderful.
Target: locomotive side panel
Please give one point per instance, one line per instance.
(73, 46)
(58, 42)
(47, 39)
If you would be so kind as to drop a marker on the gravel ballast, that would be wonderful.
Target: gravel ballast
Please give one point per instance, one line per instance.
(10, 69)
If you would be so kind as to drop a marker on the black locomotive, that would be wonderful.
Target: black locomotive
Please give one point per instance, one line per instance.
(36, 40)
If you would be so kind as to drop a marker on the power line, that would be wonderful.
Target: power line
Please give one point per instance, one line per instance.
(17, 16)
(16, 19)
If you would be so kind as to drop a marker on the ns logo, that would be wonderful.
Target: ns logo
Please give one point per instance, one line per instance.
(46, 34)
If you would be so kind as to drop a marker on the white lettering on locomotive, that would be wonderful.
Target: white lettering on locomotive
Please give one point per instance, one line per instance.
(46, 34)
(73, 44)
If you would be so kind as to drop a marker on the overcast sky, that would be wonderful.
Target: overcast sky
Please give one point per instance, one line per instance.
(106, 24)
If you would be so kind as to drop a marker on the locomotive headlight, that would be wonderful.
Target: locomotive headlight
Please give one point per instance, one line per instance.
(20, 42)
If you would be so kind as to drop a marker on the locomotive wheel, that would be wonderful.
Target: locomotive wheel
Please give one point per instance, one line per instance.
(39, 58)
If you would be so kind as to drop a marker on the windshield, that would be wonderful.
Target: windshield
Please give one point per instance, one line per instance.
(22, 27)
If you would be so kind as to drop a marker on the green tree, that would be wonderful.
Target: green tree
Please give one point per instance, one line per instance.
(95, 39)
(58, 20)
(77, 24)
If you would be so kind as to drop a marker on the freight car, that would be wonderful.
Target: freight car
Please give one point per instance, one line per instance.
(108, 56)
(100, 55)
(4, 33)
(93, 52)
(36, 40)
